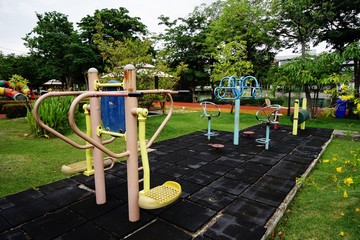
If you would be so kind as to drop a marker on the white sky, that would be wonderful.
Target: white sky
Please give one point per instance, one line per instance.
(17, 17)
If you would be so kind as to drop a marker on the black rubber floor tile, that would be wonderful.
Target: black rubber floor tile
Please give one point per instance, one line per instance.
(171, 158)
(199, 177)
(193, 163)
(110, 181)
(188, 188)
(188, 215)
(4, 225)
(275, 183)
(229, 185)
(305, 152)
(119, 192)
(88, 208)
(253, 149)
(55, 186)
(250, 211)
(199, 147)
(215, 168)
(292, 166)
(160, 230)
(265, 160)
(157, 179)
(187, 152)
(264, 195)
(117, 221)
(212, 198)
(53, 224)
(81, 178)
(19, 198)
(298, 159)
(166, 148)
(239, 156)
(229, 161)
(26, 211)
(67, 195)
(284, 173)
(244, 175)
(118, 166)
(272, 154)
(201, 237)
(228, 227)
(86, 231)
(13, 234)
(207, 156)
(255, 167)
(175, 170)
(281, 148)
(155, 165)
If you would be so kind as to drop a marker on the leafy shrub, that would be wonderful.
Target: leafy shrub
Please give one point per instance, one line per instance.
(54, 113)
(14, 110)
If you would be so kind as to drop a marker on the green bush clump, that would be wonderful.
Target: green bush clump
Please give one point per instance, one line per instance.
(54, 113)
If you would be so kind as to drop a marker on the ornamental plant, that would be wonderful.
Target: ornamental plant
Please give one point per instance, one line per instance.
(54, 113)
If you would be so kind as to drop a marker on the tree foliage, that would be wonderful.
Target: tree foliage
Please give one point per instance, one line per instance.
(249, 23)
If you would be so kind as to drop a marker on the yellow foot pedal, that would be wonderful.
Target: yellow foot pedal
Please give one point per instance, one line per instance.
(80, 167)
(160, 196)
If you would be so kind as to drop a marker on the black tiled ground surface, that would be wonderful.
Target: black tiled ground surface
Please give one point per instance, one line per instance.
(228, 193)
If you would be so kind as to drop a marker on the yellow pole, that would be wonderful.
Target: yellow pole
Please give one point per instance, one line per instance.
(304, 103)
(89, 159)
(296, 117)
(142, 114)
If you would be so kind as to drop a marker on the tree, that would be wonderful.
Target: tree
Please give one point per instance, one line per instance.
(50, 40)
(338, 22)
(116, 24)
(315, 72)
(250, 23)
(352, 52)
(231, 61)
(185, 48)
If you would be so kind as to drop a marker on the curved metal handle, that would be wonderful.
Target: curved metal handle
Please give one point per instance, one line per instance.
(205, 114)
(49, 129)
(271, 116)
(75, 128)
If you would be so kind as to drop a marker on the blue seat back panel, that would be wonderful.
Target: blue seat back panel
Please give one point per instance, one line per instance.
(113, 112)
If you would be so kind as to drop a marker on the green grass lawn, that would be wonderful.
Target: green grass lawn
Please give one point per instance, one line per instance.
(319, 210)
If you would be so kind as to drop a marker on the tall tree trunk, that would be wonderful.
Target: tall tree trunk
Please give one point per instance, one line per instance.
(308, 98)
(357, 77)
(289, 102)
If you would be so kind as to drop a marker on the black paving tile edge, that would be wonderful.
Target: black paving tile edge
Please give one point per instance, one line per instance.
(279, 212)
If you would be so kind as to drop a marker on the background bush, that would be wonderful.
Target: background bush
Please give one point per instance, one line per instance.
(54, 113)
(14, 110)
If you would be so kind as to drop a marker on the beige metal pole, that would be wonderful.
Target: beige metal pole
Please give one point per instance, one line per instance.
(131, 104)
(97, 153)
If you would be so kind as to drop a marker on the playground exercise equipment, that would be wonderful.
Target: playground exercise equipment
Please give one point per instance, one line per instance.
(15, 91)
(160, 196)
(95, 142)
(209, 115)
(86, 166)
(232, 88)
(299, 116)
(267, 115)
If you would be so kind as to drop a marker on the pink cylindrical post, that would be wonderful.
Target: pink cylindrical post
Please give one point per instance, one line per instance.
(95, 115)
(131, 144)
